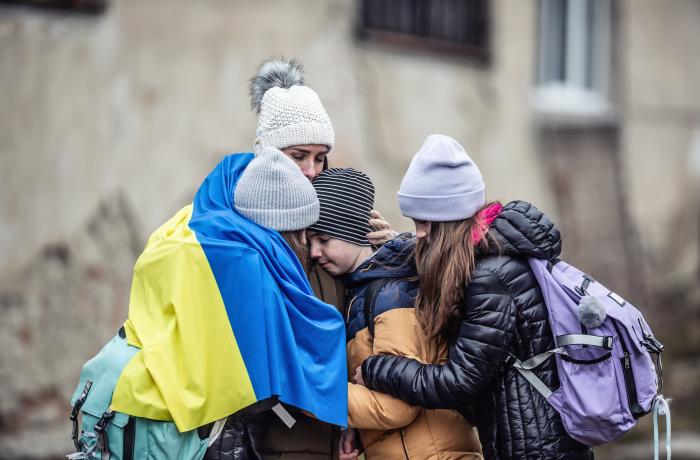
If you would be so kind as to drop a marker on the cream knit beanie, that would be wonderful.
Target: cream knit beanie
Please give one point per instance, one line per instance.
(289, 113)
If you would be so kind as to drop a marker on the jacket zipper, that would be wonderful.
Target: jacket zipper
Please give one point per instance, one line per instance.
(631, 386)
(347, 313)
(403, 443)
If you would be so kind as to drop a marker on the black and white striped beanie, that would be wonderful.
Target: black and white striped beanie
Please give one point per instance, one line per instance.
(346, 197)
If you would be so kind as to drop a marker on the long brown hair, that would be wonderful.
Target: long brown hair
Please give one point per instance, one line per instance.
(445, 261)
(296, 239)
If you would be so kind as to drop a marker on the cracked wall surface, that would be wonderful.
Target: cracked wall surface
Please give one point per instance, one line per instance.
(57, 312)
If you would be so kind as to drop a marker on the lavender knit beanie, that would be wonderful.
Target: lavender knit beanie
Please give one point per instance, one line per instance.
(442, 183)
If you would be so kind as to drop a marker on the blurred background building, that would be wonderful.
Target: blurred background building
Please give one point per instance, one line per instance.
(113, 111)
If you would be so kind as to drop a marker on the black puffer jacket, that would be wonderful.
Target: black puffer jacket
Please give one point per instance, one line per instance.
(241, 438)
(243, 434)
(503, 311)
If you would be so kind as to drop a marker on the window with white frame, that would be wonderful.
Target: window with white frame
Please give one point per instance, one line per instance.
(574, 58)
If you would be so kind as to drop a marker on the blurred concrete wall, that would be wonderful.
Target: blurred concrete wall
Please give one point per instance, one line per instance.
(149, 96)
(660, 108)
(110, 122)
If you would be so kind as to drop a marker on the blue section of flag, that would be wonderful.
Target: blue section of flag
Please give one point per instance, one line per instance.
(292, 343)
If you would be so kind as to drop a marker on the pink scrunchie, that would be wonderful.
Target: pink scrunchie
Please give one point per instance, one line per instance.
(484, 219)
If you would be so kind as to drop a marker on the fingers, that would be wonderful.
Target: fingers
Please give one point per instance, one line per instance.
(349, 456)
(358, 376)
(379, 224)
(377, 221)
(382, 230)
(346, 442)
(376, 235)
(347, 452)
(347, 449)
(381, 236)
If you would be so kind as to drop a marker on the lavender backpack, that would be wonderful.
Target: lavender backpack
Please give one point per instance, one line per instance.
(603, 349)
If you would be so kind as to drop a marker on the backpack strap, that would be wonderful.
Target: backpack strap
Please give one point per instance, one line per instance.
(76, 411)
(551, 263)
(538, 359)
(371, 291)
(585, 339)
(660, 407)
(102, 444)
(530, 376)
(216, 429)
(562, 341)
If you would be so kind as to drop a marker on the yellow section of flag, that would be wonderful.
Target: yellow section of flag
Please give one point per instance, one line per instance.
(189, 368)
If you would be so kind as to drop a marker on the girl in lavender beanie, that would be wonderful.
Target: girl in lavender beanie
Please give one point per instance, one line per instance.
(478, 293)
(442, 183)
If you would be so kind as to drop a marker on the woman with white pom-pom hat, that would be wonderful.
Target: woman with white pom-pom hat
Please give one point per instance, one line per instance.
(292, 119)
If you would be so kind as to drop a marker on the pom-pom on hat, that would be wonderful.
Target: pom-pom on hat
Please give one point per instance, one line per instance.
(289, 113)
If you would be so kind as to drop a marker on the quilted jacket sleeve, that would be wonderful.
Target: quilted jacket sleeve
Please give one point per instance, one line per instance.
(487, 329)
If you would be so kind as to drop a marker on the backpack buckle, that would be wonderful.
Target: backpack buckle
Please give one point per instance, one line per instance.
(608, 342)
(80, 401)
(511, 359)
(102, 444)
(76, 410)
(101, 424)
(583, 289)
(652, 345)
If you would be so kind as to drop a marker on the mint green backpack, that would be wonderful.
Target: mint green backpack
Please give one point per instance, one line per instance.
(104, 434)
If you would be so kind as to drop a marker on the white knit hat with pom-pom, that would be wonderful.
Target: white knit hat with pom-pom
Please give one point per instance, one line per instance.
(289, 113)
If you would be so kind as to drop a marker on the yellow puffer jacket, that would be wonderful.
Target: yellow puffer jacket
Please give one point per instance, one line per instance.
(390, 428)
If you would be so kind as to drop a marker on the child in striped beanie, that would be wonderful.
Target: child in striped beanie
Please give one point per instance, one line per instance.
(339, 239)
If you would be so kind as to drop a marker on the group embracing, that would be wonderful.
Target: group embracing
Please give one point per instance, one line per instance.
(279, 316)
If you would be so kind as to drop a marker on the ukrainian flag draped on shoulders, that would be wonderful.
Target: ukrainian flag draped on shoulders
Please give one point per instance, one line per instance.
(224, 316)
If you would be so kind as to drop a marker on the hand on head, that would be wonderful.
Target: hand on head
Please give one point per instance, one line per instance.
(382, 230)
